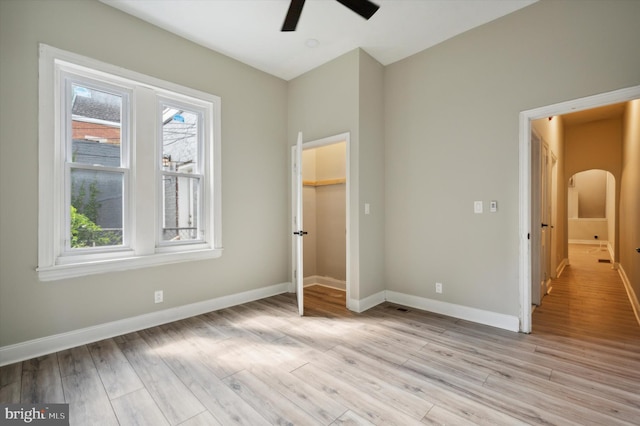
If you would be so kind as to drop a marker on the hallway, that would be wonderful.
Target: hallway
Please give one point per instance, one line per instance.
(588, 304)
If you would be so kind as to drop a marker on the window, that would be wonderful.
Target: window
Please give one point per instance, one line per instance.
(108, 135)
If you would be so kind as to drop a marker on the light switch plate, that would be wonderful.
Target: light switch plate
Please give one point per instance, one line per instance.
(493, 206)
(477, 206)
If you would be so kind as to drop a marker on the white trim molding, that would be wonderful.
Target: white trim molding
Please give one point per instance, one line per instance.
(50, 344)
(325, 281)
(561, 266)
(361, 305)
(633, 297)
(493, 319)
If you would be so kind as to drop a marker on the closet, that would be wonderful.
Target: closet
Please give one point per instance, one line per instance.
(324, 200)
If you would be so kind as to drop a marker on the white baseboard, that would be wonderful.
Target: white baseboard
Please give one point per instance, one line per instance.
(561, 266)
(362, 305)
(494, 319)
(591, 242)
(325, 281)
(611, 252)
(633, 298)
(46, 345)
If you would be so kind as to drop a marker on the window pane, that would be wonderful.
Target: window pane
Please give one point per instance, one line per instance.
(180, 140)
(95, 126)
(180, 208)
(96, 208)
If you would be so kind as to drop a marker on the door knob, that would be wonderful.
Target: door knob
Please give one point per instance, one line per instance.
(544, 225)
(638, 249)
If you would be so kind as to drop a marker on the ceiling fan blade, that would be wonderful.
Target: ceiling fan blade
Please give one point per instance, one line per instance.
(293, 15)
(364, 8)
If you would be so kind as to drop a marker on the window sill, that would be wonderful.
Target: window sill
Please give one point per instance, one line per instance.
(73, 270)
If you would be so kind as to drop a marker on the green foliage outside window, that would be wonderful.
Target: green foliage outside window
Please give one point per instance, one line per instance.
(85, 232)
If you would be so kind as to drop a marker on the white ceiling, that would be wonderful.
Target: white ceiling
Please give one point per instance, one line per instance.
(249, 30)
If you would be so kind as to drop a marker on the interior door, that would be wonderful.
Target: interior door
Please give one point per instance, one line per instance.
(545, 215)
(298, 232)
(536, 219)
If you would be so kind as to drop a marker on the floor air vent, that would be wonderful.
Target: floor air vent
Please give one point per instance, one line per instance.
(604, 260)
(402, 309)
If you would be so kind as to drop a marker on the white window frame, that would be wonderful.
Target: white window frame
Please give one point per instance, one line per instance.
(141, 248)
(200, 172)
(67, 254)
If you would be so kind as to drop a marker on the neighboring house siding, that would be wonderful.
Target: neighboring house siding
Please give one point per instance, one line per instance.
(109, 186)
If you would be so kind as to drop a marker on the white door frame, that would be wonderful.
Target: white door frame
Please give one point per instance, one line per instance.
(525, 202)
(351, 191)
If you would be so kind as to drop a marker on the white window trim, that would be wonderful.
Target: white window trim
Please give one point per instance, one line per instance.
(143, 252)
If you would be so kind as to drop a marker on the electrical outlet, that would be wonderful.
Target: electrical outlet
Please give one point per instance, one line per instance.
(158, 296)
(438, 287)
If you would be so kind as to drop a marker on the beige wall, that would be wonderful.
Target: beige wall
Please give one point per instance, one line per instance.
(451, 130)
(372, 182)
(345, 95)
(331, 241)
(630, 196)
(594, 145)
(591, 186)
(585, 230)
(254, 170)
(331, 161)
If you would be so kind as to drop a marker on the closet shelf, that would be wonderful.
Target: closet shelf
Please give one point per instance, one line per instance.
(324, 182)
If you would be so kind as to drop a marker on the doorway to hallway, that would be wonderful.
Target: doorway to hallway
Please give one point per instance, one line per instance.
(530, 195)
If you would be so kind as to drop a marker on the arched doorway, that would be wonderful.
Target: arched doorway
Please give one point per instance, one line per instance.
(591, 212)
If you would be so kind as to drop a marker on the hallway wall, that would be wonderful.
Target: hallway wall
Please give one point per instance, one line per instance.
(596, 145)
(630, 197)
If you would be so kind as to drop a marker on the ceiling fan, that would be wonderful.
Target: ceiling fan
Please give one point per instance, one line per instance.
(364, 8)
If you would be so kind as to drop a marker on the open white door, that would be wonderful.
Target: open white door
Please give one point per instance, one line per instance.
(298, 232)
(545, 213)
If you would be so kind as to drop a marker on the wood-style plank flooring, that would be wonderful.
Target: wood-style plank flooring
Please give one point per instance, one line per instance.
(261, 364)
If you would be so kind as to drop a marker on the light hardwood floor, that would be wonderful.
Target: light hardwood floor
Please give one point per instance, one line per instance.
(260, 364)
